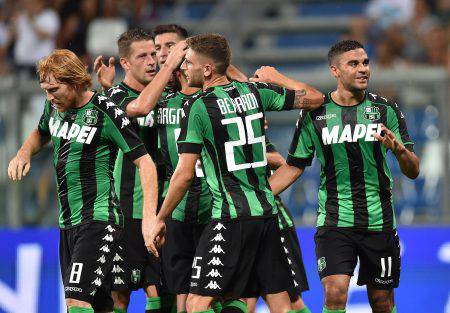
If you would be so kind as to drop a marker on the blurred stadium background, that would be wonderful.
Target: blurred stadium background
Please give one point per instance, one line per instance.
(409, 45)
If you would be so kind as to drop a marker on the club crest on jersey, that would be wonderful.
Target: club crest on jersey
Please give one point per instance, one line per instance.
(321, 264)
(372, 113)
(135, 276)
(90, 117)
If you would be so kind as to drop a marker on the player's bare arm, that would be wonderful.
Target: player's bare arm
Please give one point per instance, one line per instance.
(20, 165)
(149, 183)
(283, 177)
(105, 74)
(235, 74)
(306, 97)
(407, 160)
(275, 160)
(149, 97)
(179, 184)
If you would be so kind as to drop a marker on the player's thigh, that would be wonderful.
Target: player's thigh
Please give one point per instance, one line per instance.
(251, 304)
(336, 252)
(379, 254)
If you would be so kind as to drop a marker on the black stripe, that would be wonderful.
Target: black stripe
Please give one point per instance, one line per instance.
(249, 157)
(88, 179)
(113, 201)
(193, 201)
(162, 131)
(63, 191)
(349, 116)
(291, 159)
(225, 210)
(331, 204)
(127, 179)
(383, 179)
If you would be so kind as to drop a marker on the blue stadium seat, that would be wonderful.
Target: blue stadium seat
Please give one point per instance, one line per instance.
(307, 39)
(331, 8)
(198, 11)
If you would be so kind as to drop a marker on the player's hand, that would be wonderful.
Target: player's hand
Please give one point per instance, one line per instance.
(266, 74)
(389, 140)
(154, 233)
(19, 166)
(176, 56)
(234, 74)
(105, 74)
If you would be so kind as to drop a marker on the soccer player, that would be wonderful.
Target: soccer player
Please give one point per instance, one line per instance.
(350, 135)
(86, 130)
(289, 241)
(133, 267)
(224, 125)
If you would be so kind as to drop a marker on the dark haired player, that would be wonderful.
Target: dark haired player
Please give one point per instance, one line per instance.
(350, 135)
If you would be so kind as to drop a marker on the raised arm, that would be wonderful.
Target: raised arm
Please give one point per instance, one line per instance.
(20, 165)
(149, 97)
(306, 97)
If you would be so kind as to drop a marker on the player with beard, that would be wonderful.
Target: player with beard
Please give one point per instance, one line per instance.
(350, 135)
(86, 128)
(133, 266)
(240, 242)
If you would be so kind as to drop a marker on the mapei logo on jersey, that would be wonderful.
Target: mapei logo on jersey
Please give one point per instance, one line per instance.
(83, 134)
(213, 285)
(215, 261)
(372, 113)
(360, 131)
(218, 237)
(213, 273)
(217, 249)
(90, 117)
(135, 276)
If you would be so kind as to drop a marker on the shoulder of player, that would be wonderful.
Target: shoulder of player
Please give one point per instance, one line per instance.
(117, 91)
(106, 105)
(380, 100)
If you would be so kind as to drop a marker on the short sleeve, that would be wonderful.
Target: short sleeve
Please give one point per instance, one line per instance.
(43, 126)
(275, 98)
(301, 151)
(192, 127)
(118, 129)
(396, 123)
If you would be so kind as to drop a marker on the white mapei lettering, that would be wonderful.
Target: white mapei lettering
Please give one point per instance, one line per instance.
(330, 137)
(53, 125)
(346, 135)
(360, 131)
(63, 131)
(84, 132)
(73, 131)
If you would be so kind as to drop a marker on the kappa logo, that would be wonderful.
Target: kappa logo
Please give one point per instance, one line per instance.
(98, 271)
(105, 248)
(218, 237)
(219, 227)
(117, 269)
(93, 292)
(74, 289)
(102, 98)
(321, 264)
(125, 122)
(213, 285)
(215, 261)
(286, 250)
(110, 104)
(292, 272)
(295, 283)
(90, 117)
(102, 259)
(325, 117)
(117, 258)
(97, 282)
(108, 238)
(289, 261)
(282, 239)
(118, 281)
(118, 112)
(213, 273)
(115, 89)
(110, 228)
(217, 249)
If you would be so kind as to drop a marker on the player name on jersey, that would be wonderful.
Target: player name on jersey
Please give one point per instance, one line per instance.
(170, 115)
(349, 133)
(240, 104)
(84, 134)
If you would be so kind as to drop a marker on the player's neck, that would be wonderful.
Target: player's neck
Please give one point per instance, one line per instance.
(83, 99)
(216, 81)
(131, 82)
(346, 97)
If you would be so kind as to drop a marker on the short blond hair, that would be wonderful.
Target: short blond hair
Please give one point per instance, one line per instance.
(66, 67)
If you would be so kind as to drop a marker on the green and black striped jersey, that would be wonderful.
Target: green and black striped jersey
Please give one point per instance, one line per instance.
(85, 142)
(126, 174)
(285, 219)
(196, 204)
(226, 125)
(355, 181)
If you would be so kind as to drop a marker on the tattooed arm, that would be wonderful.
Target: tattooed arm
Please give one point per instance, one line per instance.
(306, 97)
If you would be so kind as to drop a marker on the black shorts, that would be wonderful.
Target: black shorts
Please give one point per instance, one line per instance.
(85, 255)
(291, 247)
(239, 258)
(133, 266)
(178, 254)
(338, 249)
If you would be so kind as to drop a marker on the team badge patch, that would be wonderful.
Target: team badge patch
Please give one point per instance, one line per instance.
(90, 117)
(135, 276)
(372, 113)
(321, 264)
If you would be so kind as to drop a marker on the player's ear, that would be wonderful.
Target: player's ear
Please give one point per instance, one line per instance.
(334, 70)
(207, 70)
(124, 64)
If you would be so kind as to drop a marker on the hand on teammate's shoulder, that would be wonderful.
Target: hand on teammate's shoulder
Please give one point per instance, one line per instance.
(266, 74)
